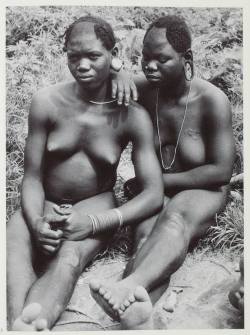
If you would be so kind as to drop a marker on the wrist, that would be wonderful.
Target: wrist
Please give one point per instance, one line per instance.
(106, 221)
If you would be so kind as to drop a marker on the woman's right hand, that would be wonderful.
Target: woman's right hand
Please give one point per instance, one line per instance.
(48, 240)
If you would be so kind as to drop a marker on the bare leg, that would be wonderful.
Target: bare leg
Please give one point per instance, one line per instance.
(54, 288)
(166, 247)
(20, 272)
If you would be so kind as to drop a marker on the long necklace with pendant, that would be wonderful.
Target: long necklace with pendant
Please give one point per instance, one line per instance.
(179, 135)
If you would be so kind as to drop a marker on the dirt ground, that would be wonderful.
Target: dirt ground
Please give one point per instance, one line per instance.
(205, 280)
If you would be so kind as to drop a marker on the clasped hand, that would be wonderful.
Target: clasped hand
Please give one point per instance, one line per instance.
(75, 225)
(63, 224)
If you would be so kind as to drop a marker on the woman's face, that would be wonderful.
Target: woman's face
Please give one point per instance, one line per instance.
(161, 64)
(88, 59)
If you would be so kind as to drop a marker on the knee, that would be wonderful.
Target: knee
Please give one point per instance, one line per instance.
(68, 256)
(175, 221)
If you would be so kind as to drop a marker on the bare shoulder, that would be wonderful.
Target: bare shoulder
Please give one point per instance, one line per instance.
(47, 99)
(138, 118)
(214, 102)
(51, 93)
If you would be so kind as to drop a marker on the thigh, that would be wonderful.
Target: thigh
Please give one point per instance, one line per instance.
(197, 208)
(18, 238)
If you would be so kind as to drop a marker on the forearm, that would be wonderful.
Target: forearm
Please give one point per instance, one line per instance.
(205, 176)
(141, 207)
(32, 200)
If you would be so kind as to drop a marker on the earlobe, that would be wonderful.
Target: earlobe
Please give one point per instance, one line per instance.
(116, 64)
(188, 65)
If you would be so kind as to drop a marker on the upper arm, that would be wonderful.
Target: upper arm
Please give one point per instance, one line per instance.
(219, 133)
(147, 169)
(37, 136)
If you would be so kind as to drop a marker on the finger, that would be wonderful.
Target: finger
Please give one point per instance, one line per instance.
(62, 210)
(127, 94)
(51, 234)
(51, 242)
(120, 93)
(134, 90)
(114, 89)
(49, 249)
(54, 218)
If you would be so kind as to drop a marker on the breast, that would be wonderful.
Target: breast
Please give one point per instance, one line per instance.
(191, 149)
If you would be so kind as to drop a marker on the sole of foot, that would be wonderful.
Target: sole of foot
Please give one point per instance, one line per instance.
(104, 299)
(136, 311)
(29, 319)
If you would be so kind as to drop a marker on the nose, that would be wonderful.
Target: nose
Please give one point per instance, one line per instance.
(152, 66)
(83, 65)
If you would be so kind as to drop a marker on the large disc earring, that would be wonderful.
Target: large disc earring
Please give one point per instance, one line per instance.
(188, 71)
(116, 64)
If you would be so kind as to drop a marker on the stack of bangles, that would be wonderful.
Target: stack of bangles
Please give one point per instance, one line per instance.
(106, 221)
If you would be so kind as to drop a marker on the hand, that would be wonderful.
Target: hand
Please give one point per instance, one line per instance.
(48, 240)
(123, 87)
(76, 226)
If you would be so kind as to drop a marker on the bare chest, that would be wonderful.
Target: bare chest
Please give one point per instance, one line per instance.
(92, 134)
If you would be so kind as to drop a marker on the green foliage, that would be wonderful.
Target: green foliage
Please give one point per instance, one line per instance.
(34, 41)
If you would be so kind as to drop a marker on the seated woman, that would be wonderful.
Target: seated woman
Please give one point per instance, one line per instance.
(194, 141)
(76, 137)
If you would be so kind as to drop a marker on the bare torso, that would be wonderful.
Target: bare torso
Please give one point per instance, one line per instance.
(84, 144)
(192, 145)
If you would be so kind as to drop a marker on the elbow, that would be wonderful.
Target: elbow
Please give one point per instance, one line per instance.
(224, 177)
(155, 200)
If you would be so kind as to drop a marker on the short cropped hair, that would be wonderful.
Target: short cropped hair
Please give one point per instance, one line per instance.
(102, 29)
(177, 31)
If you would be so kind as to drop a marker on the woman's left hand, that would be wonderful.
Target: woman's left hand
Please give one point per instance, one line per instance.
(76, 227)
(123, 87)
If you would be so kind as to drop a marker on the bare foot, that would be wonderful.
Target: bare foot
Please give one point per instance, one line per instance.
(29, 321)
(136, 311)
(111, 297)
(236, 295)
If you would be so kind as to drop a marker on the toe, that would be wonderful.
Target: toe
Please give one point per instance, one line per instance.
(131, 298)
(120, 311)
(102, 291)
(95, 285)
(122, 307)
(141, 294)
(40, 324)
(107, 295)
(111, 301)
(126, 303)
(116, 307)
(31, 312)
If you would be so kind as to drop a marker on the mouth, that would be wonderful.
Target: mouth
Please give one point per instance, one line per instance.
(152, 77)
(84, 78)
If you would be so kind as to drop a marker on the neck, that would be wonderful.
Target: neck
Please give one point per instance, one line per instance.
(175, 92)
(100, 93)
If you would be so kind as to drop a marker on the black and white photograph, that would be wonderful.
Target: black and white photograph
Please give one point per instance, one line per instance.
(124, 168)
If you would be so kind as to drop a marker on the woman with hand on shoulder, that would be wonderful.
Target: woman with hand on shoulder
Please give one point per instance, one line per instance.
(195, 146)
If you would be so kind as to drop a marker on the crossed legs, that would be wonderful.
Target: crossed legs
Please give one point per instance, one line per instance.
(53, 289)
(161, 248)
